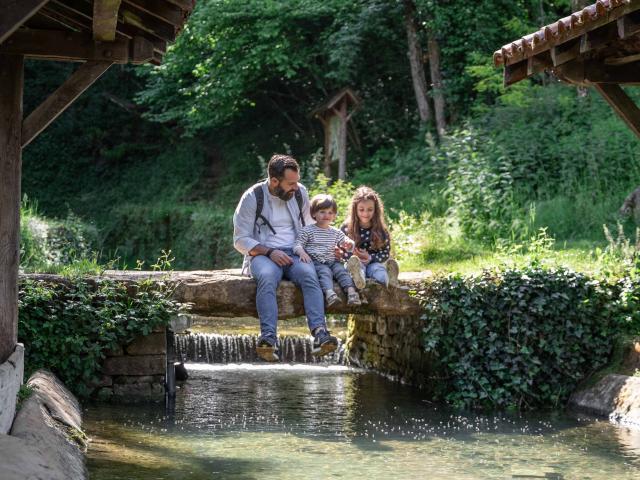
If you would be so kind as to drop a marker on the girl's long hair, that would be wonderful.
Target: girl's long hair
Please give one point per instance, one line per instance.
(379, 230)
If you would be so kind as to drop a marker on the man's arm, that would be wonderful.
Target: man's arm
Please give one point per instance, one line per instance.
(243, 223)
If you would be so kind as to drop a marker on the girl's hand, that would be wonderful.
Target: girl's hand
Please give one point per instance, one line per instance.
(347, 245)
(363, 255)
(304, 257)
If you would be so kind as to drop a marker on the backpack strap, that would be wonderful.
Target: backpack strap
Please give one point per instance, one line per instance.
(298, 195)
(257, 191)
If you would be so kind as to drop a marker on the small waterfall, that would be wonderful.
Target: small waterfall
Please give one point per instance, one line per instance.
(216, 348)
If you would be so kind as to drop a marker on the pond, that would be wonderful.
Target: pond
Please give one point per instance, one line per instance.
(248, 421)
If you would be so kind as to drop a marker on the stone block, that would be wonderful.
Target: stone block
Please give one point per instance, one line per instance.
(381, 326)
(104, 381)
(49, 422)
(392, 325)
(615, 396)
(115, 352)
(129, 379)
(11, 374)
(132, 390)
(152, 344)
(135, 365)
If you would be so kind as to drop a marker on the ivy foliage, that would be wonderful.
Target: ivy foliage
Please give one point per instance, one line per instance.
(519, 338)
(68, 327)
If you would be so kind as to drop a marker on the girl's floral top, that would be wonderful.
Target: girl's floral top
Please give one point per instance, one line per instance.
(380, 255)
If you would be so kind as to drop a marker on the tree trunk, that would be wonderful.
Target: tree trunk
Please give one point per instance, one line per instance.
(414, 53)
(436, 79)
(11, 85)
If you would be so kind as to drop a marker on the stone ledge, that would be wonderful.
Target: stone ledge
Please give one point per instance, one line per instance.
(46, 441)
(11, 375)
(229, 293)
(614, 396)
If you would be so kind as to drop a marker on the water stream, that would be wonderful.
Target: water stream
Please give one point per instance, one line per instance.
(250, 421)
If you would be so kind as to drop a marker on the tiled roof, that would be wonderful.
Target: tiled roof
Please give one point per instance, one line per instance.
(589, 18)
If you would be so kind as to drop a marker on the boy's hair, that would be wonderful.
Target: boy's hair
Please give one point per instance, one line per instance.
(322, 201)
(379, 230)
(279, 163)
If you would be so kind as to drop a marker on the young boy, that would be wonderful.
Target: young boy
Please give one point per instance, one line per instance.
(316, 243)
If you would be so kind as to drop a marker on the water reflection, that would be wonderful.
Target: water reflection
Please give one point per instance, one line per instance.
(257, 421)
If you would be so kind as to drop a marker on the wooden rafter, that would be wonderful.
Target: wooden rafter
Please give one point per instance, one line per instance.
(76, 47)
(80, 12)
(160, 9)
(622, 104)
(15, 13)
(58, 101)
(105, 18)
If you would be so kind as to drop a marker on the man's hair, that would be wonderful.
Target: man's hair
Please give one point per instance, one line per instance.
(322, 201)
(279, 163)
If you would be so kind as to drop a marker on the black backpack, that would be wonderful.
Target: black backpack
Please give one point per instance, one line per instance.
(257, 190)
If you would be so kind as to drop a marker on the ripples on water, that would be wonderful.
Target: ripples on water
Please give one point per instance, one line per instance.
(303, 421)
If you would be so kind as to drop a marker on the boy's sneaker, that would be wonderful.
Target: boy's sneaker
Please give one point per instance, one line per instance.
(323, 342)
(353, 298)
(393, 270)
(355, 269)
(267, 349)
(331, 297)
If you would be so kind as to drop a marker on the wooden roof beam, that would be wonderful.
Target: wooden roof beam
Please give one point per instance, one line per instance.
(590, 72)
(76, 47)
(15, 13)
(623, 105)
(58, 101)
(160, 9)
(186, 5)
(105, 18)
(565, 52)
(628, 25)
(80, 12)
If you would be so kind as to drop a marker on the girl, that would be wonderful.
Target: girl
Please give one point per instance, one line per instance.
(366, 227)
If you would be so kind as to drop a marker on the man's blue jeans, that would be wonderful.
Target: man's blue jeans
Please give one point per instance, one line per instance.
(268, 274)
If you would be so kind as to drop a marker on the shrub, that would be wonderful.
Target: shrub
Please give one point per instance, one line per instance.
(67, 328)
(519, 338)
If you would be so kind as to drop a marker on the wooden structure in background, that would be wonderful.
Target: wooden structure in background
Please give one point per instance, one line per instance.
(335, 115)
(97, 33)
(597, 46)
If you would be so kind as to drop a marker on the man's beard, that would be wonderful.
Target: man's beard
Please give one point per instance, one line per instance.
(282, 194)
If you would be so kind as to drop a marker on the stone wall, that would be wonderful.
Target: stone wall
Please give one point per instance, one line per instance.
(392, 345)
(136, 372)
(11, 374)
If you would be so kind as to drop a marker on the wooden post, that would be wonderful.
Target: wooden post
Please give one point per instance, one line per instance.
(342, 141)
(622, 104)
(11, 87)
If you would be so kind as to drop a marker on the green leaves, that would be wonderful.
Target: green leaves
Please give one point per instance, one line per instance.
(67, 328)
(520, 338)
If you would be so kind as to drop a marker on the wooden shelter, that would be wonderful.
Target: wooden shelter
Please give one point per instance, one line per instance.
(96, 33)
(597, 46)
(335, 114)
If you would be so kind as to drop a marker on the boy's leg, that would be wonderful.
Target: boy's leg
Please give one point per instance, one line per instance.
(267, 276)
(304, 276)
(325, 276)
(378, 272)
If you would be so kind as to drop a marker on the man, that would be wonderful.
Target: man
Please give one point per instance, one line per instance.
(265, 225)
